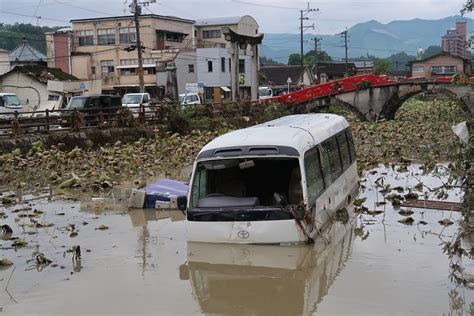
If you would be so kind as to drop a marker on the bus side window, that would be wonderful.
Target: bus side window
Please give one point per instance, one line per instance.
(350, 141)
(325, 166)
(335, 163)
(314, 175)
(344, 150)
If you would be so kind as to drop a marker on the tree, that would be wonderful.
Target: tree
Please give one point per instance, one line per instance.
(294, 59)
(399, 62)
(309, 57)
(381, 66)
(268, 61)
(431, 51)
(468, 7)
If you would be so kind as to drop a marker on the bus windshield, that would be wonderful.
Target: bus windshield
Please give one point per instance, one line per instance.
(257, 179)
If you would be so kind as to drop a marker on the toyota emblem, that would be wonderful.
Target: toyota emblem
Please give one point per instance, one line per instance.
(243, 234)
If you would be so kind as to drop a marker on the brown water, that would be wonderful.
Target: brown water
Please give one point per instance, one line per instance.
(143, 264)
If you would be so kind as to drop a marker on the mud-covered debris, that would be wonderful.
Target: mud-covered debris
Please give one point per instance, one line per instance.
(399, 189)
(5, 229)
(102, 227)
(396, 202)
(374, 212)
(419, 186)
(342, 215)
(8, 200)
(406, 212)
(4, 262)
(407, 220)
(411, 196)
(19, 243)
(422, 223)
(446, 222)
(359, 202)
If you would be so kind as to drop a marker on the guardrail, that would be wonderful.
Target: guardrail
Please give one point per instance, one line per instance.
(14, 124)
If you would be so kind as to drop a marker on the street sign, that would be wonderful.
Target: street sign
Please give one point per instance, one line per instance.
(289, 80)
(241, 79)
(82, 86)
(192, 88)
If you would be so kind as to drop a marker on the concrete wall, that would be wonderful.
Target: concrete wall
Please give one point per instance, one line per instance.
(31, 92)
(4, 62)
(182, 61)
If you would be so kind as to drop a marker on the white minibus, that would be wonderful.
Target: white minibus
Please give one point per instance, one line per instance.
(279, 182)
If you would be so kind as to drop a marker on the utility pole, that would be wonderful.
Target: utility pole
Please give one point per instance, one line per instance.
(136, 9)
(345, 49)
(137, 12)
(317, 40)
(303, 17)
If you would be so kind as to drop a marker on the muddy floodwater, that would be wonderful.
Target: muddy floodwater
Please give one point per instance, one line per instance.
(140, 263)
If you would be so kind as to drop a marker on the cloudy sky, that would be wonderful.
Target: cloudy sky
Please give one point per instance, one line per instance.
(273, 16)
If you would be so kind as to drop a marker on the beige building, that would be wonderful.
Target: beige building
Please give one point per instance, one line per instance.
(100, 46)
(441, 65)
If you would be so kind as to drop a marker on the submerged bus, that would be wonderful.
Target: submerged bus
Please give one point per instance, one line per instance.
(279, 182)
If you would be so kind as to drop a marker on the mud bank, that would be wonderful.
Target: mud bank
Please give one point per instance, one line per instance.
(86, 138)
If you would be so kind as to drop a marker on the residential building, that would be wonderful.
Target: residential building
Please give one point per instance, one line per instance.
(333, 70)
(363, 66)
(454, 41)
(279, 76)
(59, 48)
(440, 65)
(39, 87)
(103, 48)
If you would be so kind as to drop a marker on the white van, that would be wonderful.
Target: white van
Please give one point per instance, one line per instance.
(189, 99)
(265, 92)
(9, 103)
(256, 185)
(134, 100)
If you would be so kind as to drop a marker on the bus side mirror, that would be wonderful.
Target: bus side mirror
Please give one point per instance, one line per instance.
(182, 202)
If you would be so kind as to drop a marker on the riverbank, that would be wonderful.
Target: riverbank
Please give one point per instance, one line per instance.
(421, 132)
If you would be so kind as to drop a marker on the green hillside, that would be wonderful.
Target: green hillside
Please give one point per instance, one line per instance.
(12, 35)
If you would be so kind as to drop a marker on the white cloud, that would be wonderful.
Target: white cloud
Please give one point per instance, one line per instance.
(273, 16)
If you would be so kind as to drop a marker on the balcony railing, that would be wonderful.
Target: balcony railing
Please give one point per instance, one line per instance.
(186, 44)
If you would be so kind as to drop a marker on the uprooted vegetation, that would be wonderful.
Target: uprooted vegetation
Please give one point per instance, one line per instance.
(420, 132)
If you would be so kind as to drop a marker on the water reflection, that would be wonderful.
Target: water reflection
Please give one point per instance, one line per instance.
(257, 279)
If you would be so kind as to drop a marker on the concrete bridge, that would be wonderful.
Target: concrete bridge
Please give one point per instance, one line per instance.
(385, 100)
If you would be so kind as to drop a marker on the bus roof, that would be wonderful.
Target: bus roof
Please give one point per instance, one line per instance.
(301, 132)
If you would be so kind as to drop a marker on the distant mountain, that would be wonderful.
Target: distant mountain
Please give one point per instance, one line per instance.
(372, 37)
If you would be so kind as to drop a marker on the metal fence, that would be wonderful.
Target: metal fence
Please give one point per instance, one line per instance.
(17, 124)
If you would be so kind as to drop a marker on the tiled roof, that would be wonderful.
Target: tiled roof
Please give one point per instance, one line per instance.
(219, 21)
(25, 53)
(42, 73)
(278, 75)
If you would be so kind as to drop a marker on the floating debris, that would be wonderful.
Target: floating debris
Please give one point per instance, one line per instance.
(407, 220)
(406, 212)
(102, 227)
(4, 262)
(446, 222)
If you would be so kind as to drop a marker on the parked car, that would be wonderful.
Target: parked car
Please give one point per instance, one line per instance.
(189, 99)
(133, 101)
(91, 106)
(9, 104)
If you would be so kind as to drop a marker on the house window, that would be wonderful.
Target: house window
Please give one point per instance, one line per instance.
(85, 38)
(127, 35)
(242, 66)
(419, 68)
(128, 71)
(93, 71)
(174, 37)
(209, 65)
(211, 34)
(106, 37)
(223, 64)
(450, 70)
(125, 62)
(191, 68)
(437, 69)
(53, 97)
(149, 70)
(107, 67)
